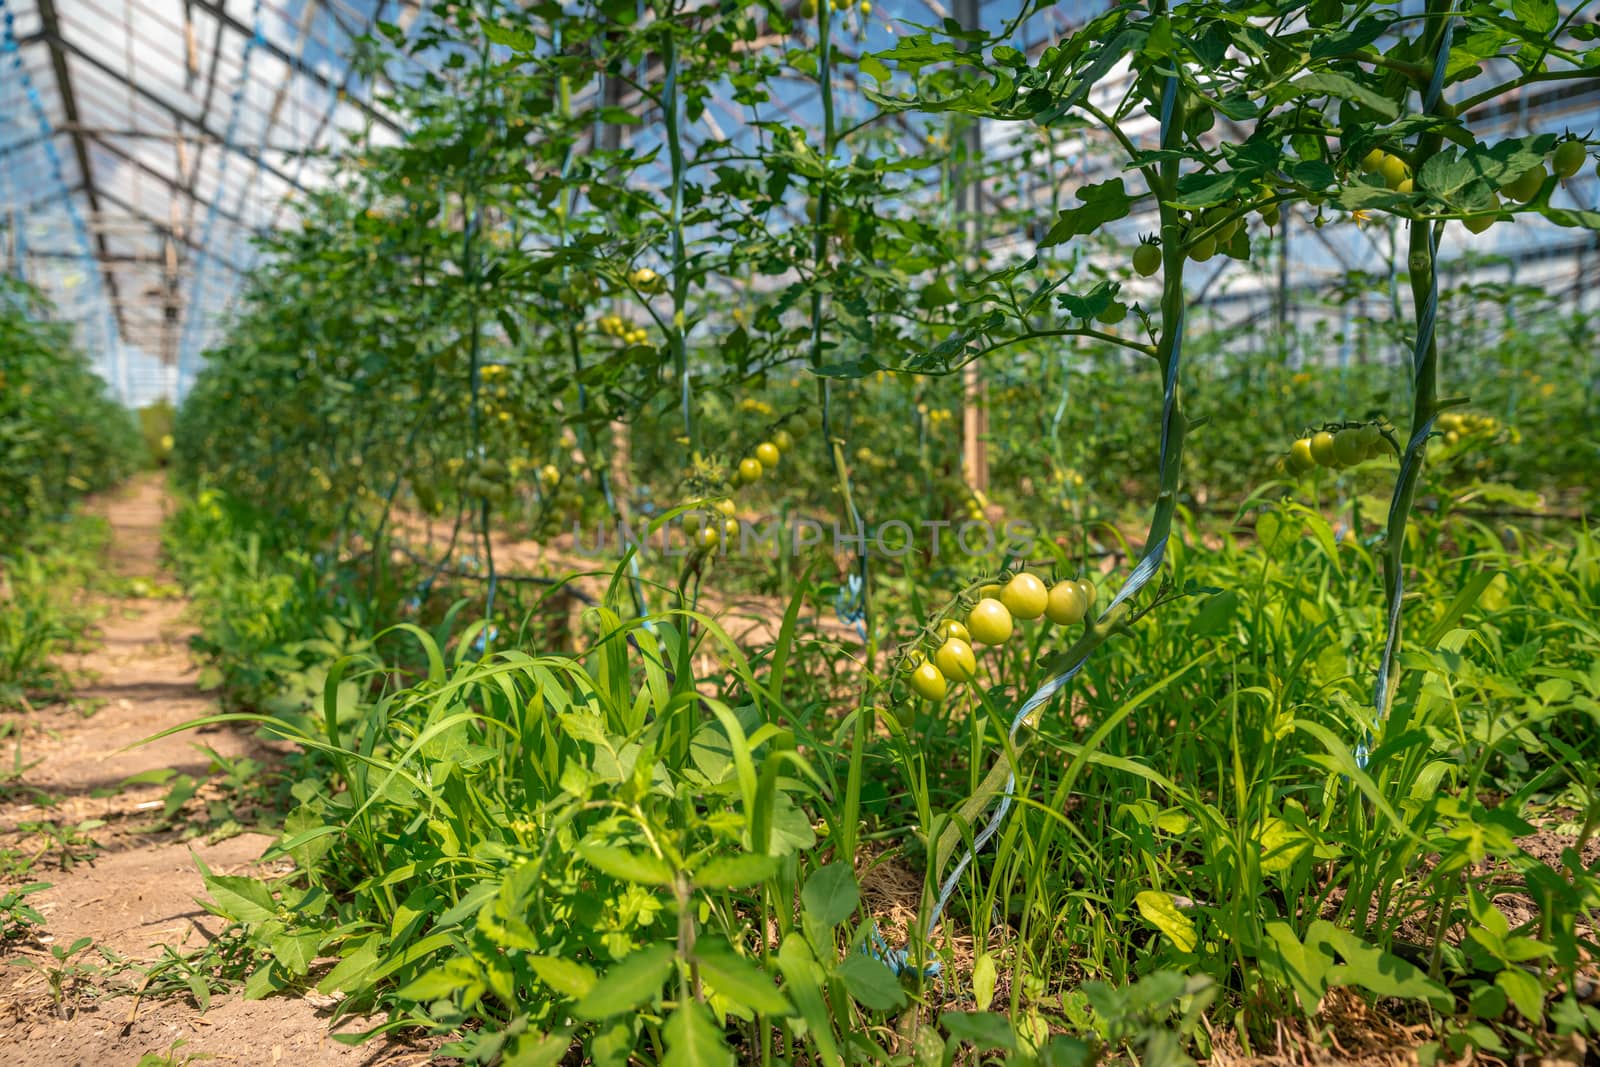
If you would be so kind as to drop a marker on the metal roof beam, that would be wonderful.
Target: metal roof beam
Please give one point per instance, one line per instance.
(170, 183)
(50, 24)
(59, 43)
(293, 62)
(166, 231)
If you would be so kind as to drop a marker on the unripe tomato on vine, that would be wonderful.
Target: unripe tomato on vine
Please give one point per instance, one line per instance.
(1024, 596)
(928, 683)
(1147, 259)
(1568, 158)
(989, 622)
(956, 661)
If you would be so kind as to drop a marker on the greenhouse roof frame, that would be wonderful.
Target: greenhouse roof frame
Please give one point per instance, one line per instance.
(144, 143)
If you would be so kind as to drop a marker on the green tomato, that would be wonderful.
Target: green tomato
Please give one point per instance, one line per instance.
(1147, 259)
(1270, 215)
(928, 683)
(1526, 185)
(1322, 448)
(1066, 604)
(1348, 447)
(956, 661)
(989, 622)
(783, 441)
(1373, 160)
(1568, 158)
(749, 470)
(952, 628)
(1394, 171)
(1203, 250)
(1113, 313)
(767, 455)
(1300, 458)
(1025, 596)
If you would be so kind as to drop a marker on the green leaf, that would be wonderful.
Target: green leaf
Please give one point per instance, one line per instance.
(694, 1040)
(984, 976)
(803, 980)
(736, 872)
(1281, 845)
(566, 977)
(514, 39)
(296, 951)
(1215, 615)
(870, 982)
(1524, 992)
(739, 979)
(626, 866)
(351, 972)
(1159, 911)
(1374, 970)
(629, 984)
(1305, 968)
(1327, 83)
(830, 895)
(984, 1029)
(241, 899)
(1102, 203)
(1540, 16)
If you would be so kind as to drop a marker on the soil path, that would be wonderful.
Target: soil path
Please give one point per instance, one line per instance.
(133, 890)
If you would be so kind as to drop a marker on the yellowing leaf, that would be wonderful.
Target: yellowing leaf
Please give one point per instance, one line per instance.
(1159, 911)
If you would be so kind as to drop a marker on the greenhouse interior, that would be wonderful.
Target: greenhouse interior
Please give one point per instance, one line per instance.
(815, 532)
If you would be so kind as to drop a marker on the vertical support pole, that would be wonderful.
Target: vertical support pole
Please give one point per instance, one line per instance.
(609, 138)
(969, 194)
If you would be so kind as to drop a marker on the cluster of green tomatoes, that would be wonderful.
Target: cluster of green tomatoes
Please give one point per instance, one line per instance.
(991, 621)
(1342, 446)
(708, 528)
(1456, 425)
(618, 327)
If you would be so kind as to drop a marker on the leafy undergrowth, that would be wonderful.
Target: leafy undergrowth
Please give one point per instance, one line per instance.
(656, 846)
(45, 609)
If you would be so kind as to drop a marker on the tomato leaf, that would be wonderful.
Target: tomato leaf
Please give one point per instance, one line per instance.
(1102, 203)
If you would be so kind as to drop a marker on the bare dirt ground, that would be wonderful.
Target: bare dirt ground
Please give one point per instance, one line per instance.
(127, 883)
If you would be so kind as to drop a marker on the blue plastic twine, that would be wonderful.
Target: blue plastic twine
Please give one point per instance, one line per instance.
(897, 960)
(1383, 690)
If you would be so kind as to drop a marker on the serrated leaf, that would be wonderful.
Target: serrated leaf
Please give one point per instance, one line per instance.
(1328, 83)
(514, 39)
(1159, 911)
(1540, 16)
(635, 980)
(1102, 203)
